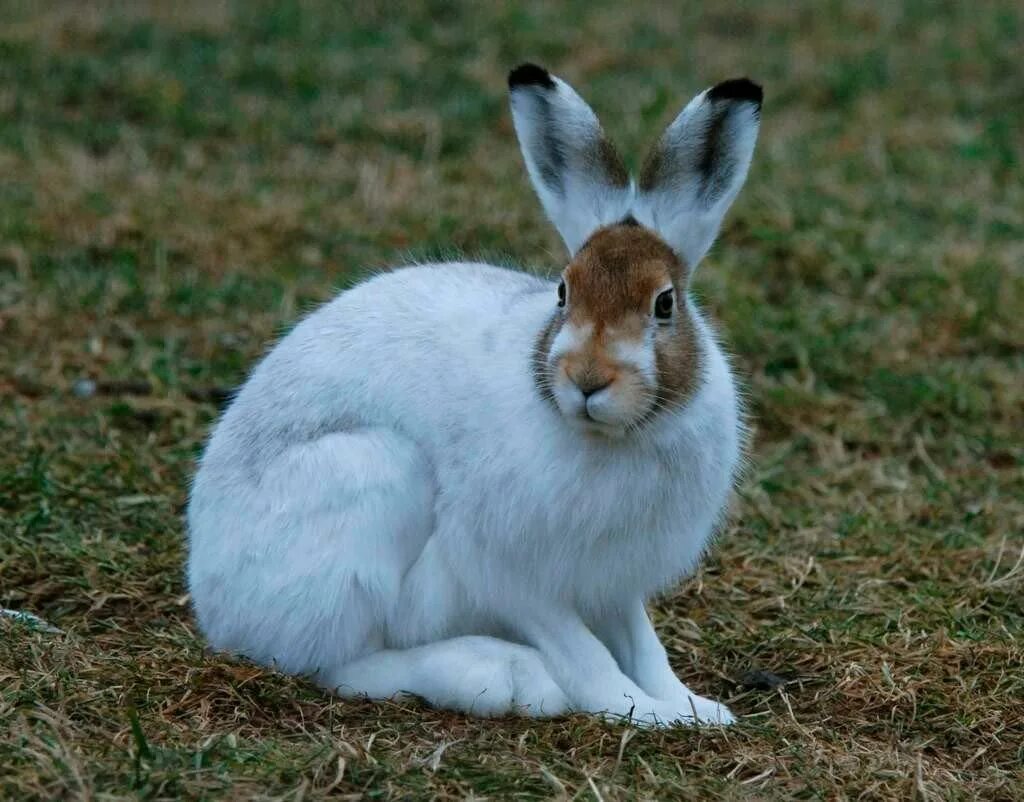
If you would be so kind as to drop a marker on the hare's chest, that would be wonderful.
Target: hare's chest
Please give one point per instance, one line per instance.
(590, 527)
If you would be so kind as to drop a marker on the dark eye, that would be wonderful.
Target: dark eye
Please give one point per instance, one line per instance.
(561, 293)
(663, 305)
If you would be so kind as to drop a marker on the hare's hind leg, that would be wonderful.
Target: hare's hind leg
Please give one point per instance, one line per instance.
(303, 569)
(480, 675)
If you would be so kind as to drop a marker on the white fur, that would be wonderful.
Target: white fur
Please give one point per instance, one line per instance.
(639, 355)
(571, 337)
(390, 506)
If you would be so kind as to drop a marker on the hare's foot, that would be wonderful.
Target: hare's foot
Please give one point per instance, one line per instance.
(693, 711)
(478, 675)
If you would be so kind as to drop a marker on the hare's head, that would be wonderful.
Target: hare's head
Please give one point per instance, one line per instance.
(622, 344)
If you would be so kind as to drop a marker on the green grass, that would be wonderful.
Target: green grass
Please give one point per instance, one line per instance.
(177, 187)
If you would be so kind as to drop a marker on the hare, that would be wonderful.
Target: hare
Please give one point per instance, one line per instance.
(462, 482)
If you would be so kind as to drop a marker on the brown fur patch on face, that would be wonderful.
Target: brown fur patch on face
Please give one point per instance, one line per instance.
(539, 359)
(677, 358)
(611, 283)
(615, 274)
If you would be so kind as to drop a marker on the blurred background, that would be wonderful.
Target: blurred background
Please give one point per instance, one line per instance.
(180, 181)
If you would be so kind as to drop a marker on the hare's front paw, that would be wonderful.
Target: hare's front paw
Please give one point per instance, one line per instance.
(708, 710)
(687, 712)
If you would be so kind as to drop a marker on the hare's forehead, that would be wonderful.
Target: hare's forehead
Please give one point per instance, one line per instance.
(617, 273)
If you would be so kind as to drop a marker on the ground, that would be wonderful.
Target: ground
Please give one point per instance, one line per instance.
(178, 186)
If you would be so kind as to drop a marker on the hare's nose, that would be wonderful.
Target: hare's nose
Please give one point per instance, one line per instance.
(590, 386)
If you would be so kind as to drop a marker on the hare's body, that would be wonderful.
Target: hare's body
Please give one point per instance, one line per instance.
(394, 502)
(359, 510)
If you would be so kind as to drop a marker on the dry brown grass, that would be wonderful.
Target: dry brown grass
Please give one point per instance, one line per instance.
(178, 185)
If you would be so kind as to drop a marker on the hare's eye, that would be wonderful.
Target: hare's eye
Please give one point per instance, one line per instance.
(663, 305)
(561, 293)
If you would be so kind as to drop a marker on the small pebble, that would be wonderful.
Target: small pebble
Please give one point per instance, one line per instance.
(32, 620)
(84, 388)
(760, 680)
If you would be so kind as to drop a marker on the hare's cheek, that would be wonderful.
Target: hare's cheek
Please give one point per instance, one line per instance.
(633, 396)
(568, 398)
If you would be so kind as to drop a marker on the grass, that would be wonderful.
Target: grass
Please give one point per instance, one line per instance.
(176, 187)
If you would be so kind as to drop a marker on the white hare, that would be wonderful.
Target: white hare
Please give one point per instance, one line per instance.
(462, 482)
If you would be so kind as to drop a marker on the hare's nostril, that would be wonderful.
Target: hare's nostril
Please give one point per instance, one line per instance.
(589, 387)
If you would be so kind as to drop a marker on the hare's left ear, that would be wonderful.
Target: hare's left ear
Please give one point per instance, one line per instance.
(696, 169)
(575, 170)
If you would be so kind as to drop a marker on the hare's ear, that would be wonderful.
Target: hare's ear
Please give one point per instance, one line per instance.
(576, 171)
(696, 169)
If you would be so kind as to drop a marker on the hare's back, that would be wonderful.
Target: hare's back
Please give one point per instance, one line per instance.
(409, 324)
(414, 349)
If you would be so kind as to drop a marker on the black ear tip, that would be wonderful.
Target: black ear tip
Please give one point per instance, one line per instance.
(742, 89)
(530, 75)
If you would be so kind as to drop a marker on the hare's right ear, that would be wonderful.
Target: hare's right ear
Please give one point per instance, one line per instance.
(698, 166)
(576, 171)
